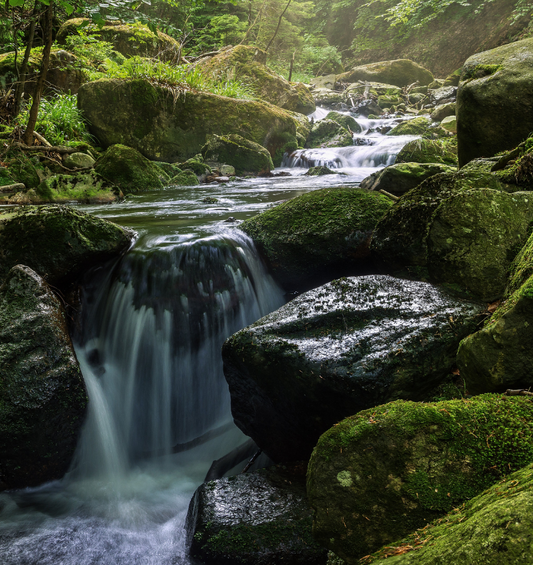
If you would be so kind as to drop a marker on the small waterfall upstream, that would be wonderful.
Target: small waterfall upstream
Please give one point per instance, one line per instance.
(148, 341)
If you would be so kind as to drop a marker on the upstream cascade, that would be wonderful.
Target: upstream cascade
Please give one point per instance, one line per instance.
(149, 339)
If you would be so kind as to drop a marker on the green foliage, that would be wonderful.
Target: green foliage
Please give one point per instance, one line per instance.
(93, 51)
(59, 120)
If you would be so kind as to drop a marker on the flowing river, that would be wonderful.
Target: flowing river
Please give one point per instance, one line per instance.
(149, 338)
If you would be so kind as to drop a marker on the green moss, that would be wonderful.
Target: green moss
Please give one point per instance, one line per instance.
(185, 178)
(480, 71)
(329, 133)
(430, 151)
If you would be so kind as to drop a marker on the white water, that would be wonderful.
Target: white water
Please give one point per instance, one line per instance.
(150, 354)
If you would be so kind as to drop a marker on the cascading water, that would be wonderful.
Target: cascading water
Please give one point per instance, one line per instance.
(149, 342)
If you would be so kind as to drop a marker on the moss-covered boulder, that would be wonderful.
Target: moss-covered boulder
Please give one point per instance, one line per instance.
(317, 235)
(333, 351)
(247, 63)
(516, 166)
(185, 178)
(196, 164)
(128, 39)
(493, 528)
(416, 126)
(24, 169)
(78, 161)
(257, 518)
(473, 237)
(42, 393)
(400, 238)
(129, 170)
(402, 177)
(319, 171)
(246, 156)
(494, 104)
(381, 474)
(58, 242)
(329, 133)
(89, 187)
(164, 127)
(429, 151)
(449, 124)
(443, 111)
(345, 121)
(400, 72)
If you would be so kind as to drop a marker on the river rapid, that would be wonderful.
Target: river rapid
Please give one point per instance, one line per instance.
(148, 340)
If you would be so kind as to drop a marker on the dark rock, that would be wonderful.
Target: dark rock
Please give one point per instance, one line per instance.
(444, 95)
(333, 351)
(319, 171)
(381, 474)
(367, 108)
(259, 518)
(494, 103)
(58, 242)
(312, 236)
(42, 394)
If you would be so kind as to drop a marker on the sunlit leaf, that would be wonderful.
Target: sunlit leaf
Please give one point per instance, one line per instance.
(16, 3)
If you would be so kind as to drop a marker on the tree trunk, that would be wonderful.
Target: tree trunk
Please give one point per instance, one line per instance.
(39, 87)
(19, 91)
(279, 24)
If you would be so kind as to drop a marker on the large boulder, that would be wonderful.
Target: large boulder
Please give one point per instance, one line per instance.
(259, 518)
(402, 177)
(329, 133)
(167, 128)
(129, 170)
(381, 474)
(400, 238)
(429, 151)
(494, 528)
(400, 72)
(42, 394)
(473, 237)
(58, 242)
(316, 235)
(338, 349)
(345, 121)
(246, 156)
(247, 63)
(128, 39)
(494, 103)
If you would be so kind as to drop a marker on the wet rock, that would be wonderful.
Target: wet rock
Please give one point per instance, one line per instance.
(312, 237)
(259, 518)
(400, 238)
(443, 111)
(381, 474)
(491, 120)
(444, 95)
(327, 97)
(473, 237)
(319, 171)
(148, 118)
(493, 528)
(42, 394)
(127, 39)
(247, 63)
(429, 151)
(399, 179)
(329, 133)
(58, 242)
(129, 170)
(346, 121)
(400, 72)
(367, 108)
(338, 349)
(246, 156)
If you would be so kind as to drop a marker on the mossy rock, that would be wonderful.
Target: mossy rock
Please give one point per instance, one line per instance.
(185, 178)
(170, 169)
(319, 171)
(400, 238)
(58, 242)
(24, 169)
(496, 357)
(494, 105)
(42, 393)
(402, 177)
(429, 151)
(493, 528)
(345, 121)
(400, 72)
(373, 88)
(78, 161)
(343, 347)
(167, 128)
(5, 177)
(381, 474)
(256, 518)
(197, 165)
(129, 170)
(329, 133)
(246, 156)
(449, 124)
(247, 63)
(386, 102)
(87, 188)
(127, 39)
(313, 235)
(443, 111)
(416, 126)
(516, 166)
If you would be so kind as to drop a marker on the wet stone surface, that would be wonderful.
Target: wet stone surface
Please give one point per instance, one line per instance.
(351, 344)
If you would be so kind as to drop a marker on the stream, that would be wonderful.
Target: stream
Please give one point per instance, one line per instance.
(149, 337)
